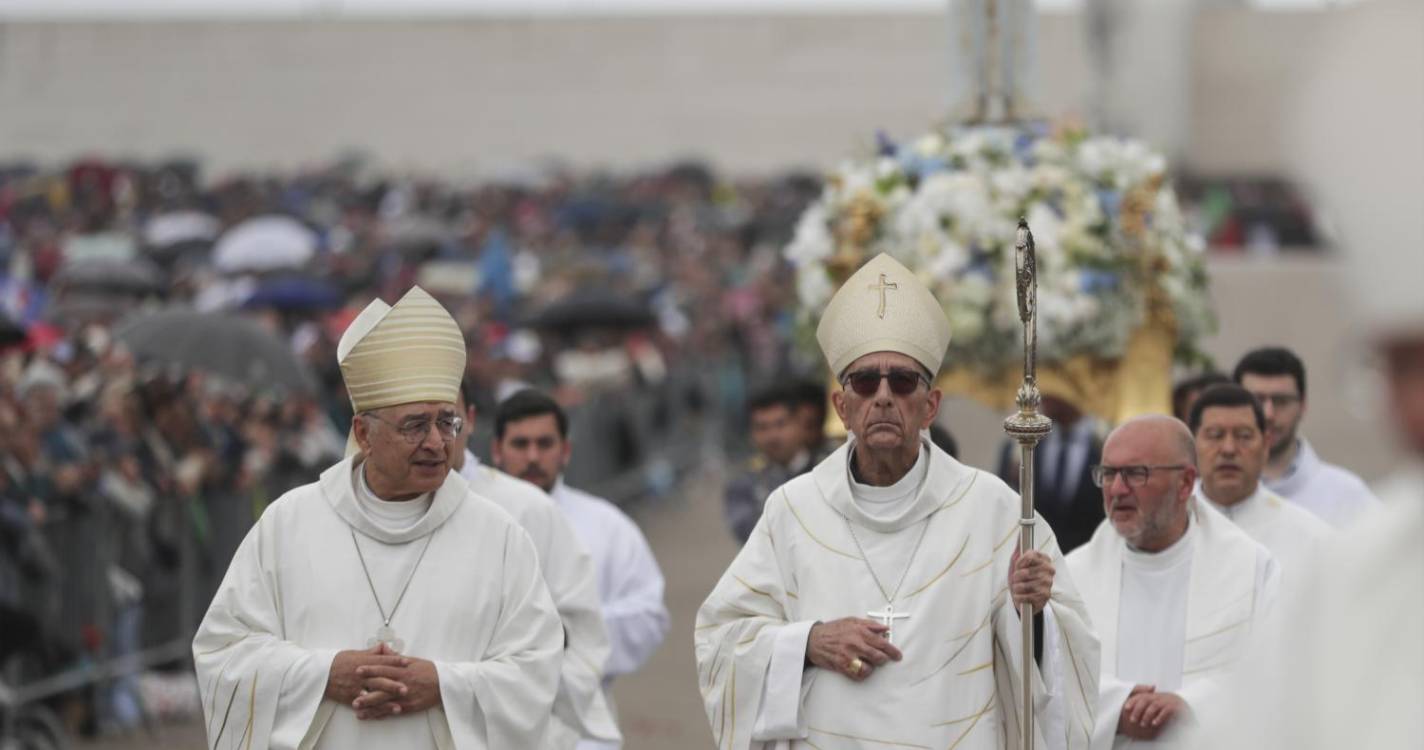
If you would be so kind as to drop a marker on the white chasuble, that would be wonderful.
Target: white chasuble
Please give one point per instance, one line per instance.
(295, 594)
(959, 683)
(1210, 595)
(1293, 535)
(580, 710)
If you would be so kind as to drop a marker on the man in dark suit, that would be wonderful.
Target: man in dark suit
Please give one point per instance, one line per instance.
(1063, 486)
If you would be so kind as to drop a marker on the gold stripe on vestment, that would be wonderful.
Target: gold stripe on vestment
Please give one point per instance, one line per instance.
(807, 529)
(1219, 631)
(891, 743)
(987, 707)
(752, 588)
(940, 574)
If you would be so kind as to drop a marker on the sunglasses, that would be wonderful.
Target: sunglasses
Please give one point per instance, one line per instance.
(867, 382)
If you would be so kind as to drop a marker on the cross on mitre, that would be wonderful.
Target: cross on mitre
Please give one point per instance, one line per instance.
(882, 287)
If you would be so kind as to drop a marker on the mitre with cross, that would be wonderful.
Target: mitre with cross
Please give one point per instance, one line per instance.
(883, 307)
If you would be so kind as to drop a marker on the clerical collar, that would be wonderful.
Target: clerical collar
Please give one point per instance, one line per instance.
(1234, 510)
(1179, 552)
(887, 502)
(391, 516)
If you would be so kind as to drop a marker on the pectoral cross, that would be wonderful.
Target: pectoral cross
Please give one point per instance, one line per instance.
(387, 635)
(881, 287)
(887, 617)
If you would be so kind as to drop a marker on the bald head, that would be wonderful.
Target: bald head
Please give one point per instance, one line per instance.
(1159, 432)
(1152, 466)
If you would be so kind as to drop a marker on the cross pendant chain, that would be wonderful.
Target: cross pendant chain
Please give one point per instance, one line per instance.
(881, 287)
(887, 617)
(386, 634)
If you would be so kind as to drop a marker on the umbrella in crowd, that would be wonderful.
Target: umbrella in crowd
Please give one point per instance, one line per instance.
(228, 346)
(593, 307)
(105, 246)
(179, 226)
(137, 277)
(295, 293)
(266, 243)
(11, 333)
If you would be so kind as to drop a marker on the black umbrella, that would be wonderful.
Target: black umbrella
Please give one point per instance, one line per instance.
(594, 307)
(137, 277)
(228, 346)
(11, 332)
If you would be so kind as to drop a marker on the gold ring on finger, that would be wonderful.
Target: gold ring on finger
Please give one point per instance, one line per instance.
(856, 665)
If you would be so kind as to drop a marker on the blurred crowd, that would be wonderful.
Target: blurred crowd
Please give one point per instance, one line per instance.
(133, 461)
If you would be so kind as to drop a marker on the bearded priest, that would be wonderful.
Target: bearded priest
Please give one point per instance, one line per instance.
(875, 603)
(385, 604)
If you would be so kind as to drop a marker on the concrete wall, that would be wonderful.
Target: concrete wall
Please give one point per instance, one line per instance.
(751, 93)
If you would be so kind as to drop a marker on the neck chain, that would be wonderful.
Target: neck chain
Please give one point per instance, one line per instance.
(888, 594)
(386, 619)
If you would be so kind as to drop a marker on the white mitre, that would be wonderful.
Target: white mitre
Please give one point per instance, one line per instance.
(883, 307)
(410, 353)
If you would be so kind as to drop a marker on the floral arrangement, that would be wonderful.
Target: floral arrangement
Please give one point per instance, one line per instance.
(1112, 243)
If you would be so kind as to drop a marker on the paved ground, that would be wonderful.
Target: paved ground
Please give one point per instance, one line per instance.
(659, 707)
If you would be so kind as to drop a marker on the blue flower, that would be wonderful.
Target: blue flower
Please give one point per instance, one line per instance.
(1096, 281)
(918, 167)
(884, 146)
(1110, 201)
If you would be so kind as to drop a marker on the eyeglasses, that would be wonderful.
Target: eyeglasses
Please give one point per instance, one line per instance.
(1277, 400)
(867, 382)
(415, 430)
(1135, 476)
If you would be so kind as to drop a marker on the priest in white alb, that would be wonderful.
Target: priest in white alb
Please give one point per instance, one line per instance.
(1229, 425)
(1176, 591)
(875, 604)
(385, 605)
(580, 710)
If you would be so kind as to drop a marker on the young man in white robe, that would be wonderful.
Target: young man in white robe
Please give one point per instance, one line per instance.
(580, 710)
(1229, 427)
(384, 605)
(531, 442)
(1176, 591)
(1276, 377)
(876, 602)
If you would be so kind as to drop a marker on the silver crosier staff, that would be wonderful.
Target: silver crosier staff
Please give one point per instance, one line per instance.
(1027, 426)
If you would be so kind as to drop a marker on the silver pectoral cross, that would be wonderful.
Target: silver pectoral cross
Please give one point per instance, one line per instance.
(387, 635)
(881, 287)
(887, 617)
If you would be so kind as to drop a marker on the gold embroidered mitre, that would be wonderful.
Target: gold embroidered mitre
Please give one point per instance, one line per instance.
(405, 354)
(883, 307)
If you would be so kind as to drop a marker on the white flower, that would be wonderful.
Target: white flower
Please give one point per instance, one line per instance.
(812, 242)
(813, 288)
(955, 229)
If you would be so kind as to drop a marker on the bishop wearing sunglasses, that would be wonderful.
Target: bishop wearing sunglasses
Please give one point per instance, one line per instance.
(877, 596)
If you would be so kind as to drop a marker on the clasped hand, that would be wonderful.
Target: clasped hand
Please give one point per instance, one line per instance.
(378, 682)
(1147, 713)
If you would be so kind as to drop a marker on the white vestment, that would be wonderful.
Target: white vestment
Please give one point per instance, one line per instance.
(1348, 671)
(296, 594)
(1178, 619)
(630, 583)
(1292, 534)
(1336, 495)
(959, 684)
(580, 709)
